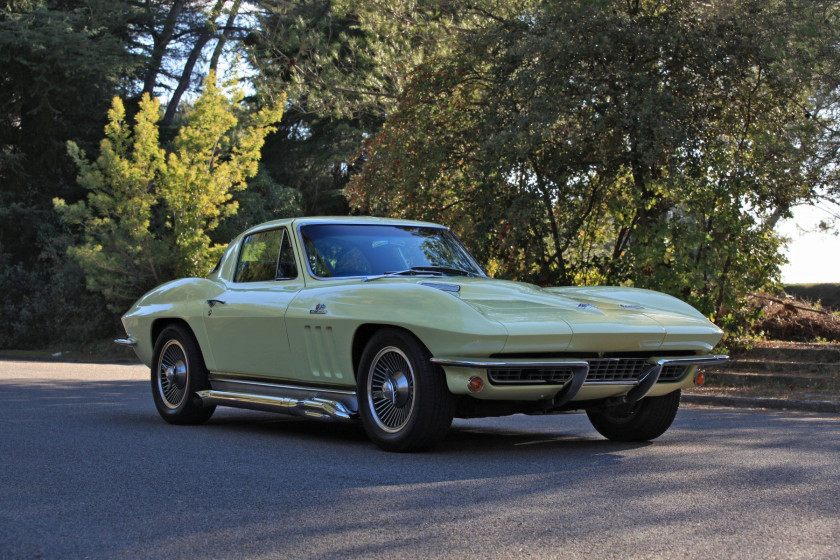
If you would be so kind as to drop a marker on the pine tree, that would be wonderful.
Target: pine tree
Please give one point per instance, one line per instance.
(148, 213)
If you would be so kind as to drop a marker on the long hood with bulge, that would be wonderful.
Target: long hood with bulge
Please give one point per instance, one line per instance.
(589, 319)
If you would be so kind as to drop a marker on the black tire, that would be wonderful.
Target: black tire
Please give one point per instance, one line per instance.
(646, 420)
(178, 372)
(404, 402)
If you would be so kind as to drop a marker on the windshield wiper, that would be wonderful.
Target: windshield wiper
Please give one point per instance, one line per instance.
(423, 271)
(413, 271)
(445, 270)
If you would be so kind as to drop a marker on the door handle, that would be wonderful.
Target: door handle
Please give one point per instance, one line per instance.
(213, 302)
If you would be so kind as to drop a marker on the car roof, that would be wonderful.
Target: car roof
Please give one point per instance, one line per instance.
(359, 220)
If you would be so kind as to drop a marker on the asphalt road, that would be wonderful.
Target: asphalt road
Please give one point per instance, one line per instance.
(89, 470)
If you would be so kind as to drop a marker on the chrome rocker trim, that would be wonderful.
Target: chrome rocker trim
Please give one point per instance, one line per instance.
(130, 342)
(321, 409)
(320, 403)
(219, 381)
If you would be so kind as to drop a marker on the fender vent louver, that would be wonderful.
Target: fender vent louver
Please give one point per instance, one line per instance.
(451, 288)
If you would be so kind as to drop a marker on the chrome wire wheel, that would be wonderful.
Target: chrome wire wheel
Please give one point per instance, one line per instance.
(390, 389)
(172, 371)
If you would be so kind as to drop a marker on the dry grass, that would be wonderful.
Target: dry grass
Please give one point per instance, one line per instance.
(789, 318)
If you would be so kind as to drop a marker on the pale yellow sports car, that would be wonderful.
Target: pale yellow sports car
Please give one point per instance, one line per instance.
(394, 324)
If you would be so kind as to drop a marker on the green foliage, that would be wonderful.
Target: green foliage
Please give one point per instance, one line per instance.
(121, 255)
(344, 63)
(349, 58)
(265, 199)
(311, 156)
(422, 162)
(653, 144)
(60, 64)
(208, 162)
(46, 305)
(148, 215)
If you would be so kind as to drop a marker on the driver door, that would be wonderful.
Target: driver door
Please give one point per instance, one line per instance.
(246, 324)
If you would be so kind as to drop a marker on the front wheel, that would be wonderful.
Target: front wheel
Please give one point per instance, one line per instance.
(178, 371)
(404, 402)
(645, 420)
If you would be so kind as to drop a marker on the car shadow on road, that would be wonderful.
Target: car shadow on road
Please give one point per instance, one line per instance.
(473, 439)
(129, 403)
(461, 439)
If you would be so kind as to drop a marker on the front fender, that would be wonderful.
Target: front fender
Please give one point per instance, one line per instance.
(184, 299)
(440, 320)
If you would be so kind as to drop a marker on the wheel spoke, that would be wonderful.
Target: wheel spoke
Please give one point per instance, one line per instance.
(389, 416)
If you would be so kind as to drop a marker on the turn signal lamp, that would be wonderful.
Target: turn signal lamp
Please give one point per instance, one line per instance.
(700, 379)
(475, 384)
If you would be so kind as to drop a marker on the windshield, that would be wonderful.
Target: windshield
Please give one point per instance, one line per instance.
(342, 250)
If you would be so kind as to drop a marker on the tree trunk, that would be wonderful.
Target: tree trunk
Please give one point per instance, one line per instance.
(220, 45)
(161, 42)
(184, 82)
(186, 76)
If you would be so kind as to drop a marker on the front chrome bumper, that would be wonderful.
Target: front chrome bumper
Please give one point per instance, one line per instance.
(646, 383)
(636, 389)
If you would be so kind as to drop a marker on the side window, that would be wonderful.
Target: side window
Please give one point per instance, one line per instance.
(317, 263)
(259, 256)
(286, 266)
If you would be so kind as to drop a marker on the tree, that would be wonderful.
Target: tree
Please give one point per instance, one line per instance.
(174, 37)
(638, 142)
(149, 213)
(344, 64)
(59, 67)
(210, 160)
(121, 255)
(60, 64)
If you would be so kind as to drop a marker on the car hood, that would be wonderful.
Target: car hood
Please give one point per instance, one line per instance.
(590, 319)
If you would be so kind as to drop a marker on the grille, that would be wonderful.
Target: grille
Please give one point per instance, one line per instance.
(617, 369)
(601, 370)
(672, 373)
(554, 376)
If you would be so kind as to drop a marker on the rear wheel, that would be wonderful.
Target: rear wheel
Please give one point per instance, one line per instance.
(178, 371)
(645, 420)
(404, 402)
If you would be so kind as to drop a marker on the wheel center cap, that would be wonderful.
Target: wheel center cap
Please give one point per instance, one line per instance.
(389, 391)
(396, 389)
(176, 374)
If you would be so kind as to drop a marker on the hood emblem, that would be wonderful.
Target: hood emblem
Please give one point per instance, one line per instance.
(320, 309)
